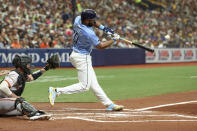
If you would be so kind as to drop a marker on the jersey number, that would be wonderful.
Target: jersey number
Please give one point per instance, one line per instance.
(75, 37)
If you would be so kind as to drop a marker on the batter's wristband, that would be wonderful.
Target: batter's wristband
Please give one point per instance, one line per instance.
(101, 27)
(114, 40)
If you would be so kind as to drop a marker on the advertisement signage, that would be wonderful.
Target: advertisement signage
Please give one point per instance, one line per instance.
(173, 55)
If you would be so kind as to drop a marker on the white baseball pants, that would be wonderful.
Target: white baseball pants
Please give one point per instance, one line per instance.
(87, 78)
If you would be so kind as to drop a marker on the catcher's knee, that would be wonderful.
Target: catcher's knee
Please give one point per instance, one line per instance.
(24, 107)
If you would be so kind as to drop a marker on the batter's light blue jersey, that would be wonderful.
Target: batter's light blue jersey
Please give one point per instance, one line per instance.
(84, 37)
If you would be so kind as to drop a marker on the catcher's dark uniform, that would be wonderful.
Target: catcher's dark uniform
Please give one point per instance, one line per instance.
(16, 82)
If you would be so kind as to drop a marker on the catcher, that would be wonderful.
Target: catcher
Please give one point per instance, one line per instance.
(12, 87)
(4, 72)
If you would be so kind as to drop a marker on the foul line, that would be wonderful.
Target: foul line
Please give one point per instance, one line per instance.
(127, 114)
(159, 106)
(93, 120)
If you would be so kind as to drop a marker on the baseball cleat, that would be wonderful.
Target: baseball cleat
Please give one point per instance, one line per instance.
(40, 116)
(114, 107)
(52, 95)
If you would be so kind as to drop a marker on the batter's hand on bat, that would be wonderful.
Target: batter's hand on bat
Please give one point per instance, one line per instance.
(115, 37)
(108, 30)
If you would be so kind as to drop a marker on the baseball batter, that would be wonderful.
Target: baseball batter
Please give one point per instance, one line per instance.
(12, 86)
(84, 39)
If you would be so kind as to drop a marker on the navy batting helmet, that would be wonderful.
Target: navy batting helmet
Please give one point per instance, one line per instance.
(88, 14)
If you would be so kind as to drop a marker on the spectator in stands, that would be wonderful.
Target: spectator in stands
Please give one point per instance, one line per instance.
(45, 43)
(36, 18)
(15, 43)
(1, 43)
(58, 44)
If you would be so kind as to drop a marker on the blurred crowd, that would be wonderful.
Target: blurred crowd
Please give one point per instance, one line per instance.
(35, 24)
(48, 23)
(174, 25)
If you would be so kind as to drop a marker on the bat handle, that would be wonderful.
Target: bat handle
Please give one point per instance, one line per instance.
(122, 38)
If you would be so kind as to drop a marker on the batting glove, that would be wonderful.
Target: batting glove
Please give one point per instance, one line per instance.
(115, 37)
(108, 30)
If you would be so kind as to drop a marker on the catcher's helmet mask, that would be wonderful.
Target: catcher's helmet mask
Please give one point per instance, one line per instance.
(88, 14)
(22, 61)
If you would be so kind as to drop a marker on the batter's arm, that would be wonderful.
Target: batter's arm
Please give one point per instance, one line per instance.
(105, 44)
(104, 28)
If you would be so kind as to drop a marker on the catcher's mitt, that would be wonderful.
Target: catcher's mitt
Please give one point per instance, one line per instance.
(53, 62)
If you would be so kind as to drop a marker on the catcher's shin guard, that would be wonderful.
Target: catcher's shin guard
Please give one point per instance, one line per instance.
(24, 107)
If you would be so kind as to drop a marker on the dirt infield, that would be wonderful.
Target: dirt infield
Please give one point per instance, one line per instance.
(172, 112)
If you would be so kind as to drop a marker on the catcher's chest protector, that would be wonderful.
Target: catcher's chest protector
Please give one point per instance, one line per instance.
(19, 86)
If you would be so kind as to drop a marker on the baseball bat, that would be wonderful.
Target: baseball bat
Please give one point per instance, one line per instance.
(138, 45)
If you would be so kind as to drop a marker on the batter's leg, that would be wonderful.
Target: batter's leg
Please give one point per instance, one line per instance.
(98, 91)
(82, 64)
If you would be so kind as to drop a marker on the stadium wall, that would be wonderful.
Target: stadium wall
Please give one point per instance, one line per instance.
(99, 57)
(172, 55)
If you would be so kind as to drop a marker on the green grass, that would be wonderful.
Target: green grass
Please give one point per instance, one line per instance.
(117, 83)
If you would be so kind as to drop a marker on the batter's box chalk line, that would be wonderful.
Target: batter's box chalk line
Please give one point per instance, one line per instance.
(127, 115)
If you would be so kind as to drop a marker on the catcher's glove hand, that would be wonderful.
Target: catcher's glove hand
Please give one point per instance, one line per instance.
(53, 62)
